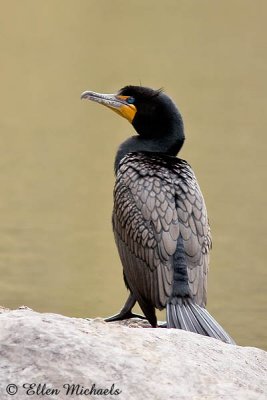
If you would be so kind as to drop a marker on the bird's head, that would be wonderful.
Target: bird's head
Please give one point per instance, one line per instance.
(151, 112)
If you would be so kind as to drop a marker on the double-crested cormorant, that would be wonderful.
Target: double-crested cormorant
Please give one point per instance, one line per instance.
(159, 218)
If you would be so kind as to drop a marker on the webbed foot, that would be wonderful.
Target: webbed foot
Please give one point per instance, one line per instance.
(126, 311)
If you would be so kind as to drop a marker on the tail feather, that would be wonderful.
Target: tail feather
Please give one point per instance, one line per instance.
(174, 318)
(189, 325)
(191, 317)
(185, 322)
(197, 328)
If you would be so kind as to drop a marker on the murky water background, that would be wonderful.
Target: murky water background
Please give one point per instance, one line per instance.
(56, 153)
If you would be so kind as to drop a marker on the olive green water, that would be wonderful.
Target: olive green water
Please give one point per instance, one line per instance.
(56, 153)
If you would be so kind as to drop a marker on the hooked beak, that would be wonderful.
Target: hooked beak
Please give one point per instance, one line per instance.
(115, 102)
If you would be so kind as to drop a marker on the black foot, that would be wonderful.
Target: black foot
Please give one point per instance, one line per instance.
(121, 316)
(126, 311)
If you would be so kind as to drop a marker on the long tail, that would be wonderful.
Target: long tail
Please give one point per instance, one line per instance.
(191, 317)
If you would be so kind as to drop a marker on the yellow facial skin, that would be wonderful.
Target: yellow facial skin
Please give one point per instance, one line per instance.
(127, 111)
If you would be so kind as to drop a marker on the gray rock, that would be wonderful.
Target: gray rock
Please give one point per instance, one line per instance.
(51, 351)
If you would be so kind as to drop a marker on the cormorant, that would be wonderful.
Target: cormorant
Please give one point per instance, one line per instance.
(159, 218)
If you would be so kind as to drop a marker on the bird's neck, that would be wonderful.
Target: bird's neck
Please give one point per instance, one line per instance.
(167, 144)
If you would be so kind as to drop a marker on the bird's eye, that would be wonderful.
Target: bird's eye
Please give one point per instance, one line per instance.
(130, 100)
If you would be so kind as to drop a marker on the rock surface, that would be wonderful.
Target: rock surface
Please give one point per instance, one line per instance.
(112, 361)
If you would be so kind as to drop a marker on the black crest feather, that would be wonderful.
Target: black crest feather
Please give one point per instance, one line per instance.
(130, 90)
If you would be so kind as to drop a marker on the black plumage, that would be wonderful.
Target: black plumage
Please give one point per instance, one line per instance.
(159, 218)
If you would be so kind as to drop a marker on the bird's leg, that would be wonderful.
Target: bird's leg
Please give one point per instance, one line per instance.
(126, 311)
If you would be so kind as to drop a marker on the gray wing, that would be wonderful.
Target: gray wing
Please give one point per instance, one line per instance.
(194, 228)
(145, 223)
(152, 206)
